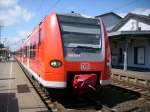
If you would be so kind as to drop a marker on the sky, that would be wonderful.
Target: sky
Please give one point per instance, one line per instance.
(19, 17)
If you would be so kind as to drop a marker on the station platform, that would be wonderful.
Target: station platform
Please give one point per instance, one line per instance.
(145, 75)
(16, 92)
(140, 78)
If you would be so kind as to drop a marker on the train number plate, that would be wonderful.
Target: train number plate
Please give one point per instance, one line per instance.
(85, 66)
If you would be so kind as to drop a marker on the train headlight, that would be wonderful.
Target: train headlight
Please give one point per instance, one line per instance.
(55, 63)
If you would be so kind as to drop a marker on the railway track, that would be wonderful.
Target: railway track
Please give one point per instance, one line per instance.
(137, 84)
(140, 96)
(144, 91)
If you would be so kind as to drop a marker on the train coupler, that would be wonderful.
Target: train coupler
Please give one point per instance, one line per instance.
(83, 83)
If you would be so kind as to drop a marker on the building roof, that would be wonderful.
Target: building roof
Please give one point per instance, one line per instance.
(110, 20)
(127, 33)
(3, 49)
(143, 18)
(109, 13)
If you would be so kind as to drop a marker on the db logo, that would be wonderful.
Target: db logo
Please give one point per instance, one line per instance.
(84, 66)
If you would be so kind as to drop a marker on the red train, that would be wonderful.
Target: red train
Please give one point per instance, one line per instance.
(68, 51)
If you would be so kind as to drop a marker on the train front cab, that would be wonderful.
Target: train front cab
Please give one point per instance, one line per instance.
(77, 45)
(86, 49)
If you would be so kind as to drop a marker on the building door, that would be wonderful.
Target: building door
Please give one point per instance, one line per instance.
(121, 56)
(139, 55)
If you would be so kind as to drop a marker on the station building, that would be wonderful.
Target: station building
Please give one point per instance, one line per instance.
(3, 52)
(129, 39)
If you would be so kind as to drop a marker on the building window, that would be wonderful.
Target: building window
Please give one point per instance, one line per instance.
(139, 55)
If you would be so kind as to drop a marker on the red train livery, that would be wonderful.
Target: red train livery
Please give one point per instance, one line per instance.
(67, 51)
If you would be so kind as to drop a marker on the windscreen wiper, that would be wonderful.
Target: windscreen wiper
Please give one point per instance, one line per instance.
(79, 49)
(74, 45)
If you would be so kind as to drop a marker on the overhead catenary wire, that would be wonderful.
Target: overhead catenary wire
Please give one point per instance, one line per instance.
(48, 9)
(56, 3)
(124, 5)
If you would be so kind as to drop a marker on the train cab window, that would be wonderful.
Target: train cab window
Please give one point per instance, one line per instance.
(80, 31)
(81, 37)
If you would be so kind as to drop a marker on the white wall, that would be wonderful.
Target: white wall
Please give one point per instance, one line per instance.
(131, 25)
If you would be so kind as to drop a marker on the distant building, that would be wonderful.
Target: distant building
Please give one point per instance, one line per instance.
(3, 52)
(1, 45)
(110, 20)
(129, 41)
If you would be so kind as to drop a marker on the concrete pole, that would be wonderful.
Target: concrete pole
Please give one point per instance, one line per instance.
(125, 55)
(125, 61)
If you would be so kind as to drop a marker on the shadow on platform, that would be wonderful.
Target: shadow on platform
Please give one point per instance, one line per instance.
(23, 88)
(8, 102)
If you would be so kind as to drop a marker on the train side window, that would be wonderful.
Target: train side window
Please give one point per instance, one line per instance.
(40, 33)
(21, 52)
(28, 51)
(33, 50)
(25, 51)
(30, 56)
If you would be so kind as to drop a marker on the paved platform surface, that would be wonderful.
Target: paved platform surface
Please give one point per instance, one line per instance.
(16, 92)
(139, 74)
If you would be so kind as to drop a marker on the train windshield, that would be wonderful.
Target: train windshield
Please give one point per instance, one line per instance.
(81, 37)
